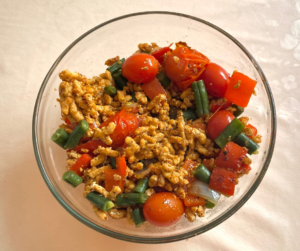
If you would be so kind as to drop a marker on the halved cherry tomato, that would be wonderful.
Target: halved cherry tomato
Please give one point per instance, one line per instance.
(111, 181)
(254, 130)
(140, 68)
(223, 181)
(121, 165)
(191, 200)
(81, 164)
(216, 80)
(183, 66)
(218, 106)
(163, 209)
(159, 53)
(218, 122)
(231, 157)
(153, 88)
(240, 89)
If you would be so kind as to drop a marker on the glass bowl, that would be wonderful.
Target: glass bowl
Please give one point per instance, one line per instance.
(120, 36)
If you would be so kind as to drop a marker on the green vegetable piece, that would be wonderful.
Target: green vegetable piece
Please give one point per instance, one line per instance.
(60, 137)
(141, 186)
(98, 200)
(173, 112)
(133, 97)
(163, 79)
(239, 110)
(244, 141)
(72, 178)
(229, 133)
(131, 199)
(189, 115)
(209, 204)
(198, 101)
(110, 90)
(116, 66)
(138, 216)
(76, 134)
(203, 95)
(113, 162)
(120, 80)
(202, 174)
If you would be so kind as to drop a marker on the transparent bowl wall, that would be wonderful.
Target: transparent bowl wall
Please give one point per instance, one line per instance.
(120, 37)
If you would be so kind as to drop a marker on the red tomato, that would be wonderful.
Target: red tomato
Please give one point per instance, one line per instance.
(218, 122)
(159, 53)
(183, 66)
(216, 80)
(231, 157)
(153, 88)
(223, 181)
(190, 166)
(191, 200)
(81, 164)
(140, 68)
(121, 165)
(91, 145)
(163, 209)
(110, 181)
(254, 130)
(219, 106)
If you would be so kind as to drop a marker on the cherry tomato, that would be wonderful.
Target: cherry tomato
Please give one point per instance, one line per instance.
(183, 66)
(140, 68)
(159, 53)
(218, 123)
(163, 209)
(153, 88)
(216, 80)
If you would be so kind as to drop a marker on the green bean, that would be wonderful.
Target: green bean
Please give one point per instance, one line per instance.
(76, 134)
(163, 79)
(110, 90)
(239, 110)
(203, 94)
(209, 204)
(116, 66)
(133, 97)
(243, 140)
(98, 200)
(138, 216)
(189, 115)
(60, 137)
(199, 108)
(120, 80)
(113, 162)
(72, 178)
(229, 133)
(173, 112)
(202, 173)
(141, 186)
(131, 199)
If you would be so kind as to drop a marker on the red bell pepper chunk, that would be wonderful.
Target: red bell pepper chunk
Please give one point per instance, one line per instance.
(209, 163)
(111, 180)
(254, 130)
(190, 166)
(220, 106)
(81, 164)
(159, 53)
(231, 157)
(153, 88)
(223, 181)
(240, 89)
(121, 165)
(91, 145)
(244, 169)
(191, 200)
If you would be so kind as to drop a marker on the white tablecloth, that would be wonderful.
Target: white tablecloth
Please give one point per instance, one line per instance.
(33, 34)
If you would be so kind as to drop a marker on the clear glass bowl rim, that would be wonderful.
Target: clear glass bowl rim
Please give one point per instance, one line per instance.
(137, 239)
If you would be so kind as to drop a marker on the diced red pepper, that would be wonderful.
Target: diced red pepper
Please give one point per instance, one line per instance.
(153, 88)
(244, 169)
(159, 53)
(68, 122)
(121, 165)
(111, 180)
(81, 164)
(91, 145)
(240, 89)
(208, 163)
(191, 200)
(231, 157)
(190, 165)
(220, 106)
(73, 125)
(223, 181)
(254, 130)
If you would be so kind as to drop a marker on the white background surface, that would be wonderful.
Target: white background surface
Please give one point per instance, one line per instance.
(33, 34)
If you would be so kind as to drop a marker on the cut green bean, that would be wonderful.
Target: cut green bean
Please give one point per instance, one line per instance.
(131, 199)
(202, 174)
(141, 186)
(189, 115)
(98, 200)
(230, 132)
(173, 112)
(163, 79)
(120, 80)
(133, 97)
(243, 140)
(199, 108)
(239, 110)
(76, 134)
(138, 216)
(72, 178)
(110, 90)
(116, 66)
(113, 162)
(60, 137)
(209, 204)
(203, 94)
